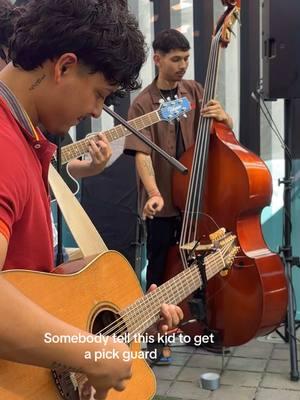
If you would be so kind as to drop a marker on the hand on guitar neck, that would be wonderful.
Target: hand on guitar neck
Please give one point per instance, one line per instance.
(170, 317)
(100, 152)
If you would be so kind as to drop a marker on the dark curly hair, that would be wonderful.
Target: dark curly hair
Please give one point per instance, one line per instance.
(103, 35)
(6, 22)
(170, 39)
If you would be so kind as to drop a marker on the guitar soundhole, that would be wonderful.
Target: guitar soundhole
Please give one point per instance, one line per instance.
(108, 322)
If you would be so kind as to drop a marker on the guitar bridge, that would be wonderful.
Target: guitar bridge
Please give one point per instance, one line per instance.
(66, 384)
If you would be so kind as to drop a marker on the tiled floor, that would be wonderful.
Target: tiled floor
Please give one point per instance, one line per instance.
(259, 370)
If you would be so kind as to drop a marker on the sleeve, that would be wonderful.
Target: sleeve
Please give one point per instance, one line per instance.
(4, 230)
(132, 143)
(13, 182)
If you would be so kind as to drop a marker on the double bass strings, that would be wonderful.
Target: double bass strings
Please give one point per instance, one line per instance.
(192, 209)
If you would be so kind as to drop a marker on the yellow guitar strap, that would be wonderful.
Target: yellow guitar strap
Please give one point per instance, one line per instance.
(84, 232)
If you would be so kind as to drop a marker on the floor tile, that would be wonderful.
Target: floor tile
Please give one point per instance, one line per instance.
(259, 370)
(187, 390)
(279, 381)
(259, 350)
(278, 366)
(211, 361)
(230, 393)
(163, 387)
(280, 354)
(275, 394)
(166, 372)
(246, 364)
(180, 358)
(189, 374)
(238, 378)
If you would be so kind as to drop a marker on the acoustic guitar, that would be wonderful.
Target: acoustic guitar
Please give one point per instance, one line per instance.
(167, 111)
(103, 297)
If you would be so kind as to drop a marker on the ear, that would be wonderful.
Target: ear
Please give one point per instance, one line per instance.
(156, 59)
(64, 65)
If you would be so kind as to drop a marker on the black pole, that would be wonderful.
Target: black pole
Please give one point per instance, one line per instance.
(171, 160)
(286, 250)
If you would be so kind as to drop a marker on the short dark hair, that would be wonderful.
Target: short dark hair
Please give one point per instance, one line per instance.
(103, 35)
(170, 39)
(6, 22)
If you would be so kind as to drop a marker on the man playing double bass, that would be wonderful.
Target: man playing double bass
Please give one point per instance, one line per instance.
(171, 57)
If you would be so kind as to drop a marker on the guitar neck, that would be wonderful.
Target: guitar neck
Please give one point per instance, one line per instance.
(79, 148)
(145, 311)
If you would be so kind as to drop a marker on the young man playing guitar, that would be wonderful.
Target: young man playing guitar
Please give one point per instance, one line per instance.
(67, 57)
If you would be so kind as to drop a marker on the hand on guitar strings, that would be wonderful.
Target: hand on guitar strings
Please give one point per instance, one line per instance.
(170, 317)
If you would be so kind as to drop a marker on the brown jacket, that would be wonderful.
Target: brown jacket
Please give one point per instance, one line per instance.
(164, 135)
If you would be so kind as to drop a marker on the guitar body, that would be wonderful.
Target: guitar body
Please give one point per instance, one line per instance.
(71, 182)
(109, 283)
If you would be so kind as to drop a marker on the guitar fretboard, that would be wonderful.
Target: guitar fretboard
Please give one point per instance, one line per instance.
(81, 147)
(145, 311)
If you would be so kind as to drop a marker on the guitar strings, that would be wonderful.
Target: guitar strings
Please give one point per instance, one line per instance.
(153, 297)
(212, 268)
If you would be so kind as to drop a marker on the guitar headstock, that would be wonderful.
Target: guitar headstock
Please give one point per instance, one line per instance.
(225, 249)
(170, 110)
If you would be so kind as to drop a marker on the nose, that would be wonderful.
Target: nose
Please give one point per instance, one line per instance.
(97, 109)
(184, 64)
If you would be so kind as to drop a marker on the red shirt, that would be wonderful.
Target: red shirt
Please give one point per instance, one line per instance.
(24, 199)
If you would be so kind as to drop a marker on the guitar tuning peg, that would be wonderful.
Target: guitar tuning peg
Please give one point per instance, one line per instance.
(184, 116)
(176, 97)
(169, 98)
(161, 101)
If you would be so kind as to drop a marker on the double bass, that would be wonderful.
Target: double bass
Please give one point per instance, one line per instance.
(228, 186)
